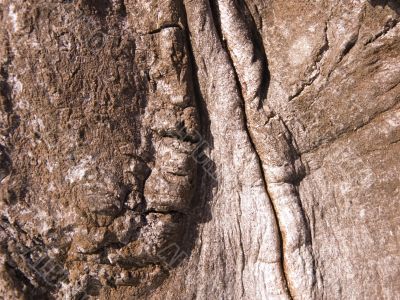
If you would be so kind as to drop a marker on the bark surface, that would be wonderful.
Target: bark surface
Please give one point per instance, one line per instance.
(180, 149)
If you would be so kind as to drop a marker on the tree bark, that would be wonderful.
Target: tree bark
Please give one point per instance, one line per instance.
(227, 149)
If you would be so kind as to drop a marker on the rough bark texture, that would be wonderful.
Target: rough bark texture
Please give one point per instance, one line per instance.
(207, 149)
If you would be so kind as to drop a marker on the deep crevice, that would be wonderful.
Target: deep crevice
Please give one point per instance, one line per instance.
(171, 212)
(240, 94)
(165, 26)
(260, 52)
(392, 23)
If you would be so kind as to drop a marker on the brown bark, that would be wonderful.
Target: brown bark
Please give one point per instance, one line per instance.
(227, 149)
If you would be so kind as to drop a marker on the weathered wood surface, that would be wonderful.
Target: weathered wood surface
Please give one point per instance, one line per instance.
(227, 149)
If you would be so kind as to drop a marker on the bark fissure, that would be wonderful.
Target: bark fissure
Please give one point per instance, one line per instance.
(282, 254)
(391, 24)
(246, 123)
(275, 139)
(166, 26)
(241, 246)
(349, 131)
(304, 85)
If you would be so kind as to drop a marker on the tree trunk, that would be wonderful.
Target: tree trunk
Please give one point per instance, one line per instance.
(225, 149)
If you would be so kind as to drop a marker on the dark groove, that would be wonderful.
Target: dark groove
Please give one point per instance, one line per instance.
(324, 48)
(257, 156)
(388, 26)
(164, 212)
(165, 26)
(349, 45)
(257, 40)
(6, 88)
(296, 180)
(204, 120)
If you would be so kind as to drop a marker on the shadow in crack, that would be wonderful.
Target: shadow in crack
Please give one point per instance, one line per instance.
(206, 179)
(395, 5)
(259, 50)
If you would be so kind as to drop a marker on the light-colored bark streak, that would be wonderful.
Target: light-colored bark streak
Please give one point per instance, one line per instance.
(242, 193)
(273, 143)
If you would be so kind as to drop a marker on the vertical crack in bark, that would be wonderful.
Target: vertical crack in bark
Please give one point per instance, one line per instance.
(241, 246)
(262, 249)
(260, 93)
(6, 88)
(273, 144)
